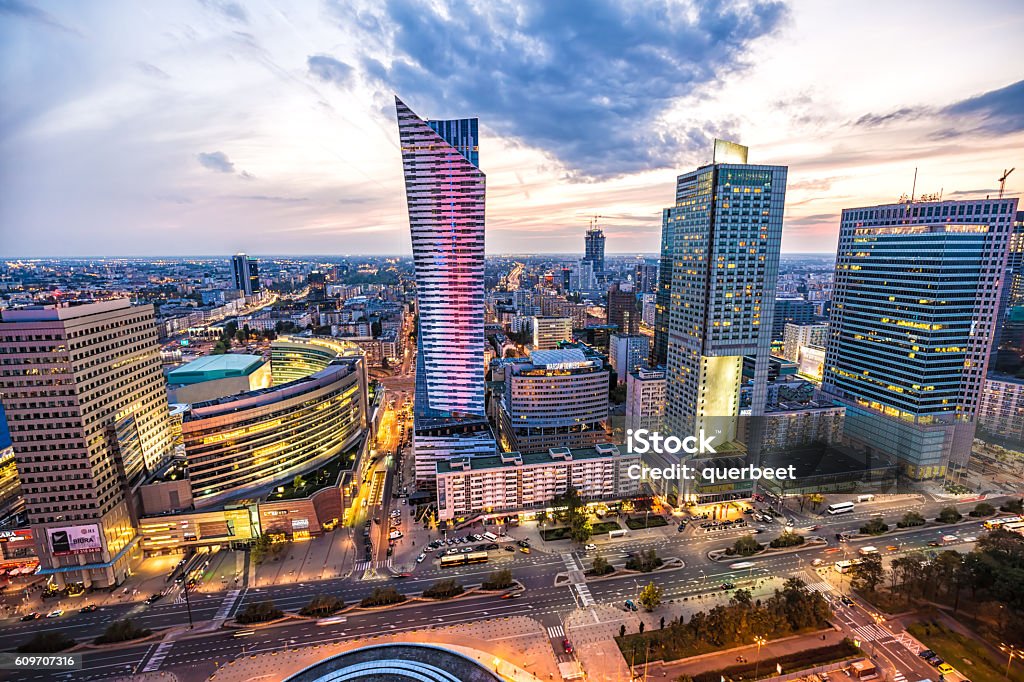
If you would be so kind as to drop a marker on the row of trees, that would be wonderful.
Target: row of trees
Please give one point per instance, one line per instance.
(790, 610)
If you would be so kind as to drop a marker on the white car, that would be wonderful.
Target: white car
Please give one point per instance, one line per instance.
(420, 558)
(971, 538)
(591, 547)
(56, 613)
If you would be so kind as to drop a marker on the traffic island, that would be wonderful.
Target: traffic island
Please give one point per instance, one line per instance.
(809, 542)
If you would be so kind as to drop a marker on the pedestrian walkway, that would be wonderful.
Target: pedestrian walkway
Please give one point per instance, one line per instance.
(823, 587)
(230, 599)
(871, 632)
(158, 656)
(556, 632)
(578, 580)
(899, 677)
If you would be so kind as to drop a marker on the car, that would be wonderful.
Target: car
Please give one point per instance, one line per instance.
(892, 548)
(523, 543)
(590, 548)
(728, 586)
(566, 646)
(832, 550)
(681, 527)
(846, 600)
(631, 606)
(512, 595)
(491, 546)
(401, 576)
(31, 616)
(935, 543)
(153, 598)
(815, 527)
(946, 668)
(88, 609)
(935, 660)
(926, 653)
(421, 557)
(971, 538)
(510, 548)
(817, 562)
(453, 550)
(524, 550)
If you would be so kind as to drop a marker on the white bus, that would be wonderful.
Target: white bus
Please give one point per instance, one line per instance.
(840, 508)
(844, 566)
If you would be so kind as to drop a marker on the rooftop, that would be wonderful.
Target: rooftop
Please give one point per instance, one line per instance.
(510, 459)
(213, 367)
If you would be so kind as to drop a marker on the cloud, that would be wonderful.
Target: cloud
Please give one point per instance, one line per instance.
(274, 199)
(217, 161)
(231, 10)
(150, 70)
(329, 69)
(1000, 111)
(589, 85)
(26, 11)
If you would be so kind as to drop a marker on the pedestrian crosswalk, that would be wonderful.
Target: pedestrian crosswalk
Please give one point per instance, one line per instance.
(899, 677)
(823, 587)
(556, 632)
(586, 599)
(572, 563)
(153, 664)
(230, 599)
(363, 565)
(869, 633)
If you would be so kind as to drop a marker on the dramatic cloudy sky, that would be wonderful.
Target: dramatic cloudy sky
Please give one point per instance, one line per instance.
(214, 126)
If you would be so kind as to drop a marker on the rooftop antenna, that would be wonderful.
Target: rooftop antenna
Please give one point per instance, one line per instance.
(1002, 180)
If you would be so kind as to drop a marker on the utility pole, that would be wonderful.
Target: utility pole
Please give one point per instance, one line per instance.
(188, 604)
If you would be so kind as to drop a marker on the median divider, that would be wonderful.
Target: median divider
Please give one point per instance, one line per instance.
(810, 542)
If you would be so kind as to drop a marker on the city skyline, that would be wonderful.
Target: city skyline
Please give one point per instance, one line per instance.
(282, 146)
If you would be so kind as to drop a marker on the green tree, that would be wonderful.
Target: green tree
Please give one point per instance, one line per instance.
(601, 566)
(911, 519)
(787, 539)
(983, 509)
(298, 483)
(322, 605)
(383, 596)
(443, 589)
(949, 515)
(875, 526)
(1014, 506)
(46, 642)
(645, 561)
(498, 580)
(868, 574)
(122, 631)
(817, 499)
(746, 545)
(258, 612)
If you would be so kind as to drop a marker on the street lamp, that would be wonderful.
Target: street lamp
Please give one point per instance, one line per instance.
(758, 640)
(1011, 652)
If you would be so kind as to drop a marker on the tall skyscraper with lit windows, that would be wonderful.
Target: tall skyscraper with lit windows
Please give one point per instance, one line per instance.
(445, 193)
(246, 271)
(720, 264)
(914, 315)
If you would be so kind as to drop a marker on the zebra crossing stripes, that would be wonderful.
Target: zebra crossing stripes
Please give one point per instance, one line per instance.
(899, 677)
(363, 565)
(230, 599)
(872, 632)
(556, 632)
(823, 587)
(153, 664)
(586, 598)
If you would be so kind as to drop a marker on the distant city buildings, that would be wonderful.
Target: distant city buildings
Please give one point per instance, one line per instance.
(797, 336)
(594, 250)
(917, 288)
(247, 274)
(645, 399)
(622, 310)
(548, 332)
(628, 352)
(789, 310)
(85, 432)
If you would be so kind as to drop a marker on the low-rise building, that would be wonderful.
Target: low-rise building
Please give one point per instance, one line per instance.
(215, 376)
(645, 399)
(513, 481)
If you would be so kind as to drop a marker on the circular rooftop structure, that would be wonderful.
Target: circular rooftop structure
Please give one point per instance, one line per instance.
(397, 663)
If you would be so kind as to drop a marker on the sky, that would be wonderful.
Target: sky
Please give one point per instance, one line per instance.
(201, 127)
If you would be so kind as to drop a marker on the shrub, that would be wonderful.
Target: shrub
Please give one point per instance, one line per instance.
(259, 612)
(747, 546)
(498, 580)
(322, 605)
(910, 519)
(875, 526)
(949, 515)
(600, 566)
(122, 631)
(444, 589)
(644, 561)
(46, 643)
(983, 509)
(787, 539)
(383, 596)
(1013, 506)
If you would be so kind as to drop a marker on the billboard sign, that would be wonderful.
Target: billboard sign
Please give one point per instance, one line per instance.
(75, 539)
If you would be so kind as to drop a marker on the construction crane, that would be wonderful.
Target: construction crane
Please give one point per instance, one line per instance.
(1002, 181)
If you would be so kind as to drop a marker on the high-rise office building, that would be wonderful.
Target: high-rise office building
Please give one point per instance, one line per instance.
(645, 399)
(594, 249)
(790, 310)
(85, 430)
(622, 309)
(797, 336)
(445, 193)
(548, 332)
(247, 274)
(917, 287)
(646, 277)
(663, 292)
(722, 251)
(627, 352)
(1012, 295)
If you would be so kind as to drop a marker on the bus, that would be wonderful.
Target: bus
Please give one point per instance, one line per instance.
(845, 566)
(840, 508)
(864, 551)
(463, 559)
(866, 498)
(992, 524)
